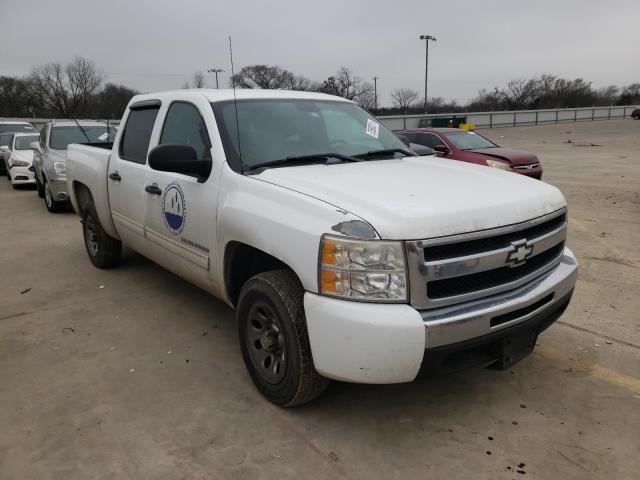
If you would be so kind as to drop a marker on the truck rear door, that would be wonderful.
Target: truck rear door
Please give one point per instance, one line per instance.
(127, 174)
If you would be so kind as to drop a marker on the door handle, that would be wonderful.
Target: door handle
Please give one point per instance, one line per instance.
(115, 176)
(153, 189)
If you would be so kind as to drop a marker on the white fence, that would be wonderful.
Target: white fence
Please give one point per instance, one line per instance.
(515, 118)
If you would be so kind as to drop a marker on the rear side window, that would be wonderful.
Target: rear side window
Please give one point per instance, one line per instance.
(184, 125)
(137, 134)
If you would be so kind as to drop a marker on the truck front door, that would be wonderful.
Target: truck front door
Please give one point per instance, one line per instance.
(180, 219)
(127, 175)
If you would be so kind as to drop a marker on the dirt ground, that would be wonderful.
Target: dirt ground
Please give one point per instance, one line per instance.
(133, 373)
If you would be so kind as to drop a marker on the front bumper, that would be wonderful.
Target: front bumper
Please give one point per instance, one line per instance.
(21, 175)
(386, 343)
(58, 187)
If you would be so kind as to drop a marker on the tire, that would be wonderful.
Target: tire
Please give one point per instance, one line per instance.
(52, 205)
(271, 324)
(104, 251)
(40, 188)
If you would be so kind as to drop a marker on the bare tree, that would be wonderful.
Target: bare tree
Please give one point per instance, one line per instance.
(519, 92)
(198, 80)
(404, 97)
(66, 90)
(84, 80)
(262, 76)
(347, 85)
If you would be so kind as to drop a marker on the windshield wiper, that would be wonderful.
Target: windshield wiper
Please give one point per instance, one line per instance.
(385, 152)
(303, 159)
(84, 132)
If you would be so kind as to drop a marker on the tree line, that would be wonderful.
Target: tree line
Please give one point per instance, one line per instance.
(78, 90)
(54, 90)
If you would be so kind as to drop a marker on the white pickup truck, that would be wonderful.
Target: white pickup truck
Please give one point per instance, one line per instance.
(344, 255)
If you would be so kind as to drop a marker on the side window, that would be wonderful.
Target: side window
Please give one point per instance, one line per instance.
(429, 140)
(184, 125)
(5, 140)
(134, 144)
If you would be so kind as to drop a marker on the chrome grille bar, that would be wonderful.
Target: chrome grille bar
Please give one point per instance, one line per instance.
(469, 268)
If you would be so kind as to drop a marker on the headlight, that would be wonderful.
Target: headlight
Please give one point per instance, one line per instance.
(370, 270)
(19, 163)
(60, 168)
(498, 164)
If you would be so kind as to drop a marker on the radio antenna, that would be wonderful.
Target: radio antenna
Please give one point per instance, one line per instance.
(235, 104)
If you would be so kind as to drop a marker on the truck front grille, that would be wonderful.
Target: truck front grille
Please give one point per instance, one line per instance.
(491, 278)
(470, 247)
(450, 270)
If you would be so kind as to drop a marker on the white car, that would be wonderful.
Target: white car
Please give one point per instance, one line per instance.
(20, 160)
(345, 255)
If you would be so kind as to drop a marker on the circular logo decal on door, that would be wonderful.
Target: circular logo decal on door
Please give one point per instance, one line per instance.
(174, 209)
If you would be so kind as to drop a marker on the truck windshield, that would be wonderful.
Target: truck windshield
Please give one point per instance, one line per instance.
(469, 140)
(16, 127)
(24, 143)
(61, 137)
(279, 129)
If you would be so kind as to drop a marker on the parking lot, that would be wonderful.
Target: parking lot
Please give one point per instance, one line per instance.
(134, 373)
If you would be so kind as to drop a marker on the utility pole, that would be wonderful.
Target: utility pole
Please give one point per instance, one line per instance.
(427, 38)
(375, 93)
(216, 71)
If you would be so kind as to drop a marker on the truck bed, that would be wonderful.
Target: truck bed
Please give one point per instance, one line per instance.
(88, 165)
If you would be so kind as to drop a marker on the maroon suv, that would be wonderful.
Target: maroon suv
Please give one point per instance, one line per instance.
(458, 144)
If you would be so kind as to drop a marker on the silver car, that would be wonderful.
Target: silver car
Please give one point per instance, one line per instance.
(50, 155)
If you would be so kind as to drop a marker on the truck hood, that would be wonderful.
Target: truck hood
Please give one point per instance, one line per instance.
(514, 157)
(422, 197)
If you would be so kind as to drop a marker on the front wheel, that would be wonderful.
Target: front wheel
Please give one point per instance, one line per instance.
(40, 188)
(274, 339)
(52, 205)
(103, 250)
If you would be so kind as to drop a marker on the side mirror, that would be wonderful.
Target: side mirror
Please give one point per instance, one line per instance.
(35, 146)
(4, 148)
(421, 149)
(179, 159)
(442, 149)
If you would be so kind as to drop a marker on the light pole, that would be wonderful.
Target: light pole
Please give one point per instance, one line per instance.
(427, 38)
(216, 71)
(375, 93)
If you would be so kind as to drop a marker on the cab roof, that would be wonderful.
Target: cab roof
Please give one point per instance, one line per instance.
(221, 95)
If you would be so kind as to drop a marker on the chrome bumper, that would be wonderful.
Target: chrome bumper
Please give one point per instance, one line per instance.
(449, 325)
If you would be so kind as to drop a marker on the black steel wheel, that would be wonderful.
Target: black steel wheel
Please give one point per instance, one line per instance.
(274, 339)
(104, 251)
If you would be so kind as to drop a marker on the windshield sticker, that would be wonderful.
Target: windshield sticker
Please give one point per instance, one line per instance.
(174, 209)
(103, 137)
(372, 128)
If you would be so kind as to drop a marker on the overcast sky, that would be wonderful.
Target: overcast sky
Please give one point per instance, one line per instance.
(157, 44)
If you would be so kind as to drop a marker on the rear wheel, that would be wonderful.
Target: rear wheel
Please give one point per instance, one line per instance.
(274, 339)
(104, 251)
(52, 205)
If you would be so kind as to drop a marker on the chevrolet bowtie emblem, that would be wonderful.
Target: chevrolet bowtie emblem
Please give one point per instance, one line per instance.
(519, 253)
